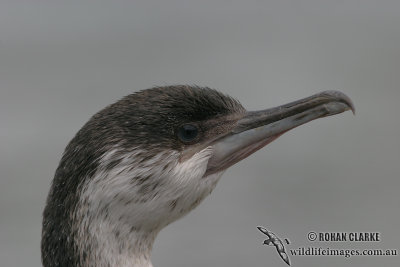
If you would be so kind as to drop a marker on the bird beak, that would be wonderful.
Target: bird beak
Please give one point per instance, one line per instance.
(259, 128)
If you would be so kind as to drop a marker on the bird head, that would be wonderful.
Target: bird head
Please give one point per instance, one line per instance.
(150, 158)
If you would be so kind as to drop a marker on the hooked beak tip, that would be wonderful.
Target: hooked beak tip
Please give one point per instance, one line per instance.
(340, 97)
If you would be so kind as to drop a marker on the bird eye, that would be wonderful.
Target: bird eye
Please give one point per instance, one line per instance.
(188, 133)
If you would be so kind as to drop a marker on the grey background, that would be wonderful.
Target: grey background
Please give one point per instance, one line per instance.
(62, 61)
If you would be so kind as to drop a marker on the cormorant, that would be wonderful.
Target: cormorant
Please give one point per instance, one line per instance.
(147, 160)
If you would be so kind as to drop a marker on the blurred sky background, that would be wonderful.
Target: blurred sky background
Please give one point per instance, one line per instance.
(62, 61)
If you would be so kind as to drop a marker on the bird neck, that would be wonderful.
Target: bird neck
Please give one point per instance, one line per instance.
(119, 213)
(110, 244)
